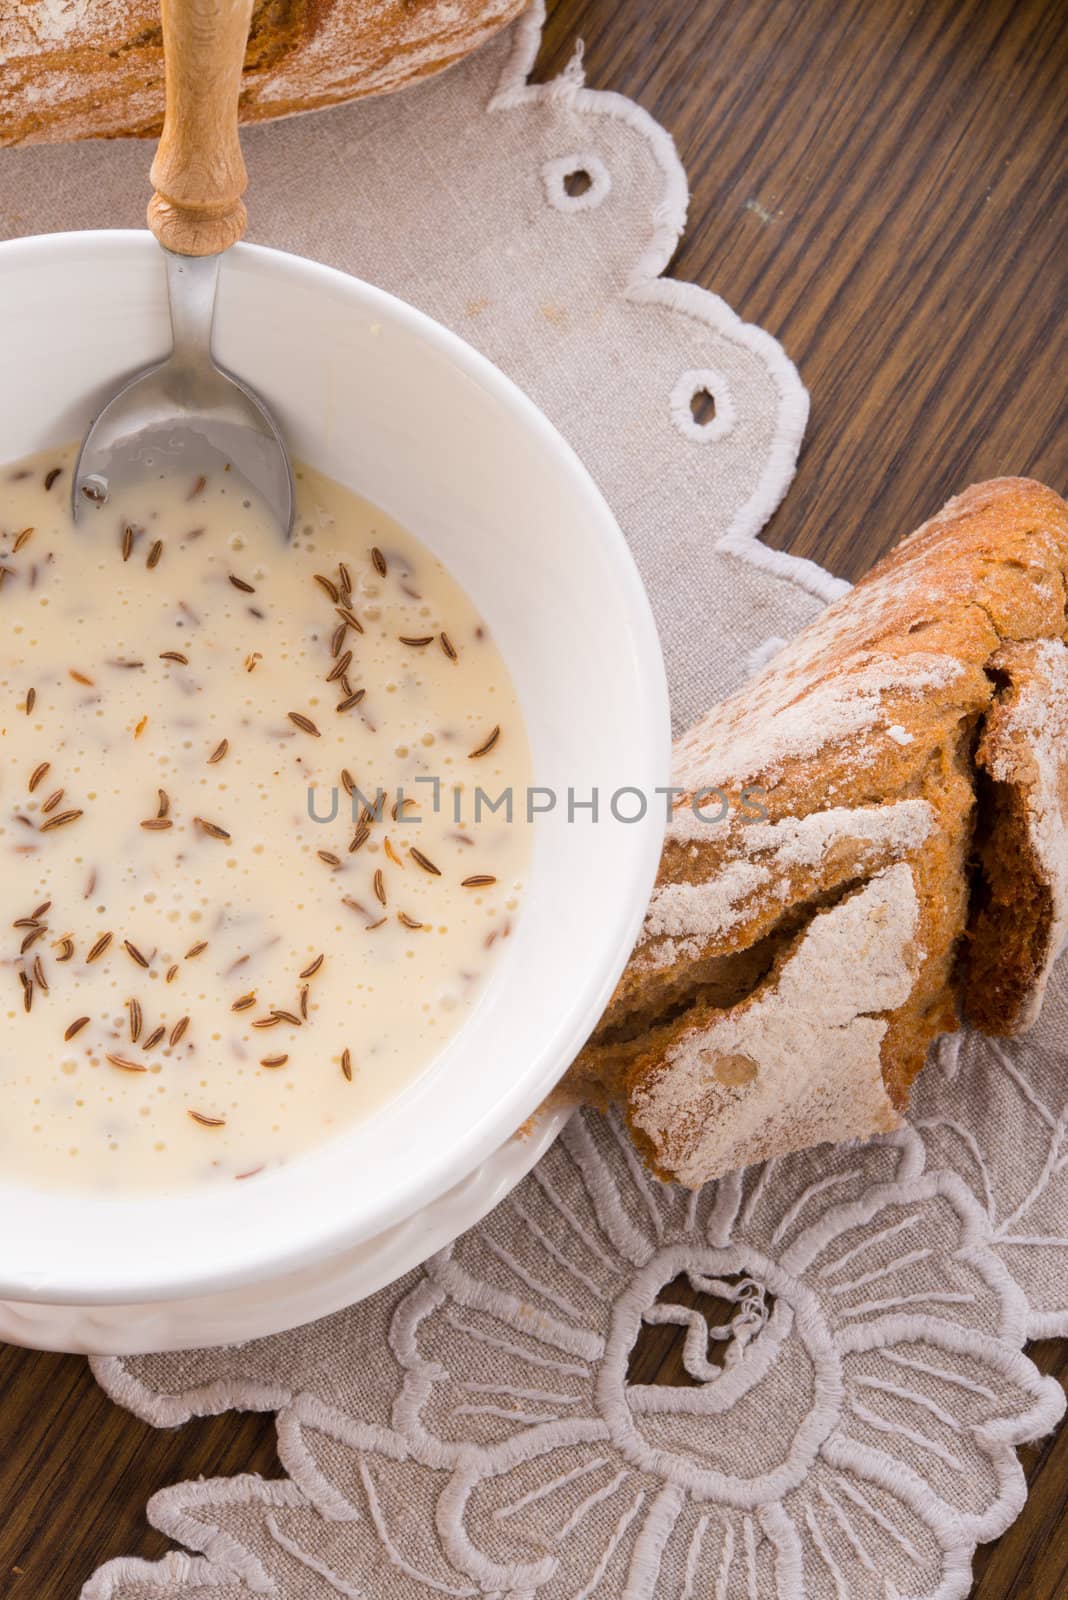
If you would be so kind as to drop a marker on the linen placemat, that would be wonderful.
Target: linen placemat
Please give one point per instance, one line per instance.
(478, 1429)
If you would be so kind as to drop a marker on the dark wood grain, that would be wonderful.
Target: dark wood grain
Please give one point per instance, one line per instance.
(883, 187)
(75, 1472)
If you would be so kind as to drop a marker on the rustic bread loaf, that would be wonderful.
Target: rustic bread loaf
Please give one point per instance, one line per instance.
(892, 854)
(81, 69)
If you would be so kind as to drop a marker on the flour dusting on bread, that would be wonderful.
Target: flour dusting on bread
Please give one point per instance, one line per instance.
(801, 1057)
(682, 916)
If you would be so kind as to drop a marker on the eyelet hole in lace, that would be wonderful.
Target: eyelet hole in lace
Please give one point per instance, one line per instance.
(578, 182)
(734, 1311)
(702, 407)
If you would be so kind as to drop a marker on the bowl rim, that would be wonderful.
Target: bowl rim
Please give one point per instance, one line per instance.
(161, 1278)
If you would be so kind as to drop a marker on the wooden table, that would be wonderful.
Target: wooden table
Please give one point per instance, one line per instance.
(878, 184)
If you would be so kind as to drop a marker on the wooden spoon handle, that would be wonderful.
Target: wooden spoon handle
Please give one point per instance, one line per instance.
(198, 173)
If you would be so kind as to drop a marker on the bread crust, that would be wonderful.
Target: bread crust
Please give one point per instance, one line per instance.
(85, 69)
(1020, 914)
(878, 873)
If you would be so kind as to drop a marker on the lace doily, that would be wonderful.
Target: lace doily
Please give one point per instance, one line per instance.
(853, 1385)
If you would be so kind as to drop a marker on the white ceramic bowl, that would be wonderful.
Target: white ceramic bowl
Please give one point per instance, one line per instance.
(383, 399)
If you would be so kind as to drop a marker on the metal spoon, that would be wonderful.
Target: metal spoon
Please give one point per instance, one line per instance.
(187, 414)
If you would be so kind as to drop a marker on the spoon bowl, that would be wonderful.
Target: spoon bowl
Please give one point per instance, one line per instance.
(186, 416)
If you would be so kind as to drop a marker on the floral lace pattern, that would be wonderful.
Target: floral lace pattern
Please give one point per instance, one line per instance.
(844, 1426)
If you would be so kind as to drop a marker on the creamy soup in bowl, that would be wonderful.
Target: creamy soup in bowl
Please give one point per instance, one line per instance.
(262, 823)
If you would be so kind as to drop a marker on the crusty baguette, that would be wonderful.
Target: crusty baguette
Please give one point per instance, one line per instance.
(82, 69)
(893, 853)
